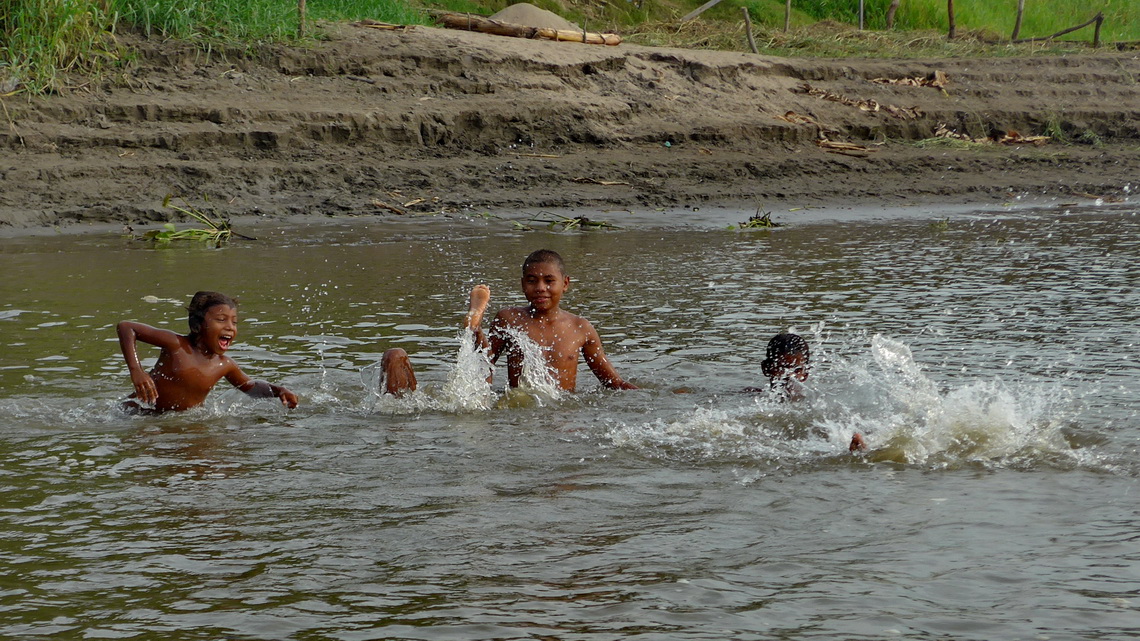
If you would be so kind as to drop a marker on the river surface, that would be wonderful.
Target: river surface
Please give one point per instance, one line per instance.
(990, 358)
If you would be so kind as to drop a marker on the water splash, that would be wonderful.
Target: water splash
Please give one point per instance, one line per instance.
(467, 387)
(884, 394)
(536, 377)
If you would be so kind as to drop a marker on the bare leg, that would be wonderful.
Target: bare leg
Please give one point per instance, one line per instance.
(480, 296)
(399, 377)
(857, 443)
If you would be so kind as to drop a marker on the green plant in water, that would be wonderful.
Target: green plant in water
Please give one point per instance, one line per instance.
(757, 221)
(940, 225)
(576, 222)
(217, 230)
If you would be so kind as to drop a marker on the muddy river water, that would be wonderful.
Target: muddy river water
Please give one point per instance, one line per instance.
(990, 357)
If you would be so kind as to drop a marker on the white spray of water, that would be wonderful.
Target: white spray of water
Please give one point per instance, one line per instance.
(467, 388)
(885, 395)
(536, 377)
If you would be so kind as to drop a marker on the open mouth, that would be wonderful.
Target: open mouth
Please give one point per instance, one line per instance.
(225, 341)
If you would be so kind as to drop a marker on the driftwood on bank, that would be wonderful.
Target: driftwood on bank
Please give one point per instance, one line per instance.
(471, 22)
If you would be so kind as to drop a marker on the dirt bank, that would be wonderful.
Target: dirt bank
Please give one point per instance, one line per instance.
(465, 120)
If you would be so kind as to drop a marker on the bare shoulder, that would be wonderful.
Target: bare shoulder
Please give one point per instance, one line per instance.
(512, 316)
(576, 320)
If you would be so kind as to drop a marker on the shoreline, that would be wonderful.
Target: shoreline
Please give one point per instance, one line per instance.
(709, 216)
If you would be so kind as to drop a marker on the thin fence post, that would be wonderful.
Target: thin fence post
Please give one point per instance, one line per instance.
(1096, 30)
(861, 4)
(300, 18)
(950, 12)
(1017, 22)
(787, 16)
(748, 30)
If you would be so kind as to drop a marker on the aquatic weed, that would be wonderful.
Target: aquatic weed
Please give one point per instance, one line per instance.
(217, 230)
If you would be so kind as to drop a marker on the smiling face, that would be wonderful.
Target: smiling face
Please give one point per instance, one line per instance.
(543, 285)
(219, 329)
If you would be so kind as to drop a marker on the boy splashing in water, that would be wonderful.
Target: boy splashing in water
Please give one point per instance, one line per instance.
(190, 365)
(786, 363)
(561, 335)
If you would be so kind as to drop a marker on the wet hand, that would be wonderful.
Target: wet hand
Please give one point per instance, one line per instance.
(145, 389)
(288, 399)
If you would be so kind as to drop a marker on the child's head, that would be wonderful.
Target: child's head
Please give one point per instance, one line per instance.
(544, 280)
(201, 303)
(787, 358)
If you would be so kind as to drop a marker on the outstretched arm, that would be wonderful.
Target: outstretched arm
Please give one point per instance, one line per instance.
(259, 389)
(600, 365)
(129, 334)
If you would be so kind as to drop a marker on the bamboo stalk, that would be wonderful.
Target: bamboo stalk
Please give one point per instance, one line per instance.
(470, 22)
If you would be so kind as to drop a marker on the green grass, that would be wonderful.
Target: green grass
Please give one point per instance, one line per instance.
(40, 39)
(1041, 18)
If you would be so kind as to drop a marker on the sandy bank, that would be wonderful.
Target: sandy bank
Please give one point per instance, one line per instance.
(432, 120)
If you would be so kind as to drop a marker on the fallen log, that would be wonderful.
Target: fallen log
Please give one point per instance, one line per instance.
(471, 22)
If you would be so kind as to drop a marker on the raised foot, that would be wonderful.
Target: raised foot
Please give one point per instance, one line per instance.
(399, 377)
(480, 296)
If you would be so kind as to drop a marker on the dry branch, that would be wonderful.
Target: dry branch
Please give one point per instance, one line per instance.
(844, 148)
(471, 22)
(392, 208)
(383, 26)
(936, 79)
(1098, 19)
(903, 113)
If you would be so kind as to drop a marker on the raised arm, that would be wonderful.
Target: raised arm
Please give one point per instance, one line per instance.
(259, 389)
(130, 333)
(598, 363)
(477, 306)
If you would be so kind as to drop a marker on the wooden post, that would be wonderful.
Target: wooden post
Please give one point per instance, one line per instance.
(950, 12)
(300, 18)
(748, 30)
(891, 14)
(1017, 22)
(699, 10)
(1096, 31)
(787, 16)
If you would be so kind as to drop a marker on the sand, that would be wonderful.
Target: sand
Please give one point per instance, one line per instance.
(431, 120)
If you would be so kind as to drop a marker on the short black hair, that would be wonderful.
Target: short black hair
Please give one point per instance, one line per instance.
(784, 344)
(201, 303)
(544, 256)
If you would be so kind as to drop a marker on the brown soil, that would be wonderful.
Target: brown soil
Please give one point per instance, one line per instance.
(463, 119)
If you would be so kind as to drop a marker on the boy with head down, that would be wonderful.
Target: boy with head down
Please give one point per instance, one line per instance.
(561, 335)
